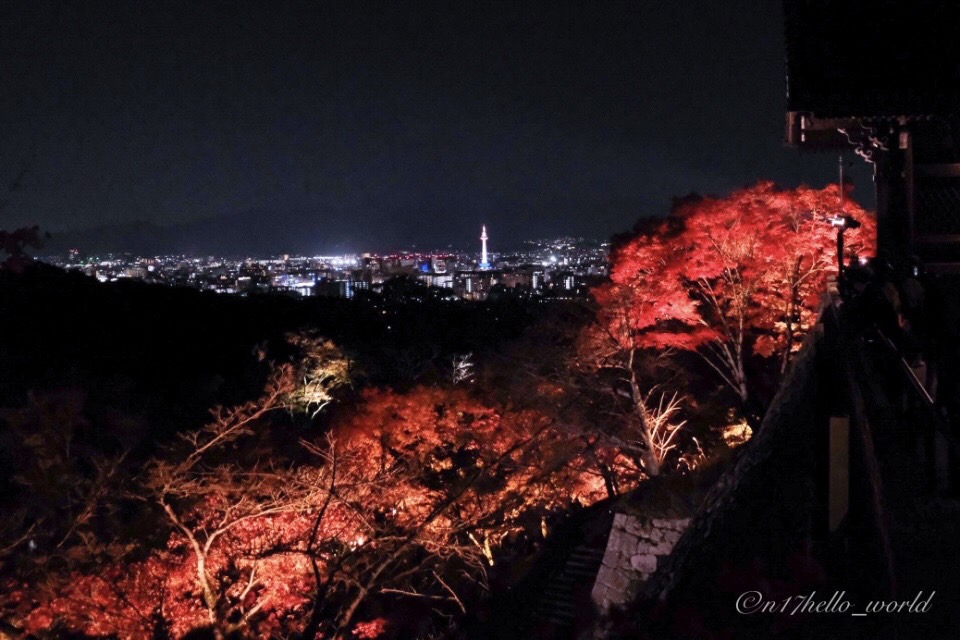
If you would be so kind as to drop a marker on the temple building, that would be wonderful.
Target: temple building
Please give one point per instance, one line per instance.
(849, 490)
(881, 79)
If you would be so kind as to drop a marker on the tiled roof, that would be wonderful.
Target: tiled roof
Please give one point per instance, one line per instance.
(872, 58)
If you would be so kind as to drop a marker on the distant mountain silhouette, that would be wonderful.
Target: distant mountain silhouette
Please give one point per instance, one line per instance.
(263, 232)
(255, 232)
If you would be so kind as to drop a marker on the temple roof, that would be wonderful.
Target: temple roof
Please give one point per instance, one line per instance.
(872, 58)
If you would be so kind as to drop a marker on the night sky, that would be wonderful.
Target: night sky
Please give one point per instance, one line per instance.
(356, 125)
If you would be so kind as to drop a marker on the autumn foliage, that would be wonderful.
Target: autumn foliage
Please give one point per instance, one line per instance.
(407, 498)
(322, 509)
(730, 277)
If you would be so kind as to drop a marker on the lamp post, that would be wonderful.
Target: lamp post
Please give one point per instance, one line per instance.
(842, 223)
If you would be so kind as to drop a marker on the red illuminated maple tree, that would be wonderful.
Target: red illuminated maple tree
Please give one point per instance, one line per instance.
(454, 478)
(725, 277)
(409, 497)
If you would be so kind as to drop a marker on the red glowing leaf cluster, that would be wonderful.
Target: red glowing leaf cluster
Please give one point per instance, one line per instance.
(743, 273)
(404, 498)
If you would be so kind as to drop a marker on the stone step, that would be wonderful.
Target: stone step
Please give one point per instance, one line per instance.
(556, 603)
(554, 594)
(558, 614)
(567, 615)
(583, 548)
(580, 571)
(582, 576)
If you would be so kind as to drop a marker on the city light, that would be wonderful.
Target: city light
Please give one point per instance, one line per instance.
(557, 269)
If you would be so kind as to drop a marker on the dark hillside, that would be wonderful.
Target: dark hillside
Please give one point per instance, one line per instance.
(168, 354)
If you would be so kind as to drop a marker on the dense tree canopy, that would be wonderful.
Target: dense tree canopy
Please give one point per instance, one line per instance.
(357, 499)
(408, 497)
(729, 277)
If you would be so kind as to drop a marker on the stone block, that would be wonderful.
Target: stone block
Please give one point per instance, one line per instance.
(644, 563)
(613, 542)
(661, 549)
(655, 535)
(616, 581)
(671, 536)
(633, 526)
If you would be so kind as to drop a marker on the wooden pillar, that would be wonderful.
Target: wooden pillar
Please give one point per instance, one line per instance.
(838, 482)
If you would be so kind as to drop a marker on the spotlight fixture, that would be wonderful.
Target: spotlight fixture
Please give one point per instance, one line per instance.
(843, 222)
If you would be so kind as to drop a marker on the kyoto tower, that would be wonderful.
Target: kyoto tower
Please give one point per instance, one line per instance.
(484, 264)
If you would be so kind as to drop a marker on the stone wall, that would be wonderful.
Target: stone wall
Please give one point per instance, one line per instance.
(634, 549)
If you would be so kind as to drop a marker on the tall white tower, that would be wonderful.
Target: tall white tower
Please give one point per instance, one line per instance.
(484, 264)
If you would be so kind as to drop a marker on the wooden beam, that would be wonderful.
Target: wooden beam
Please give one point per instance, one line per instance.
(839, 480)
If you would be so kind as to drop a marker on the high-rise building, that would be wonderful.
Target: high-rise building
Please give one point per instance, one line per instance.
(484, 262)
